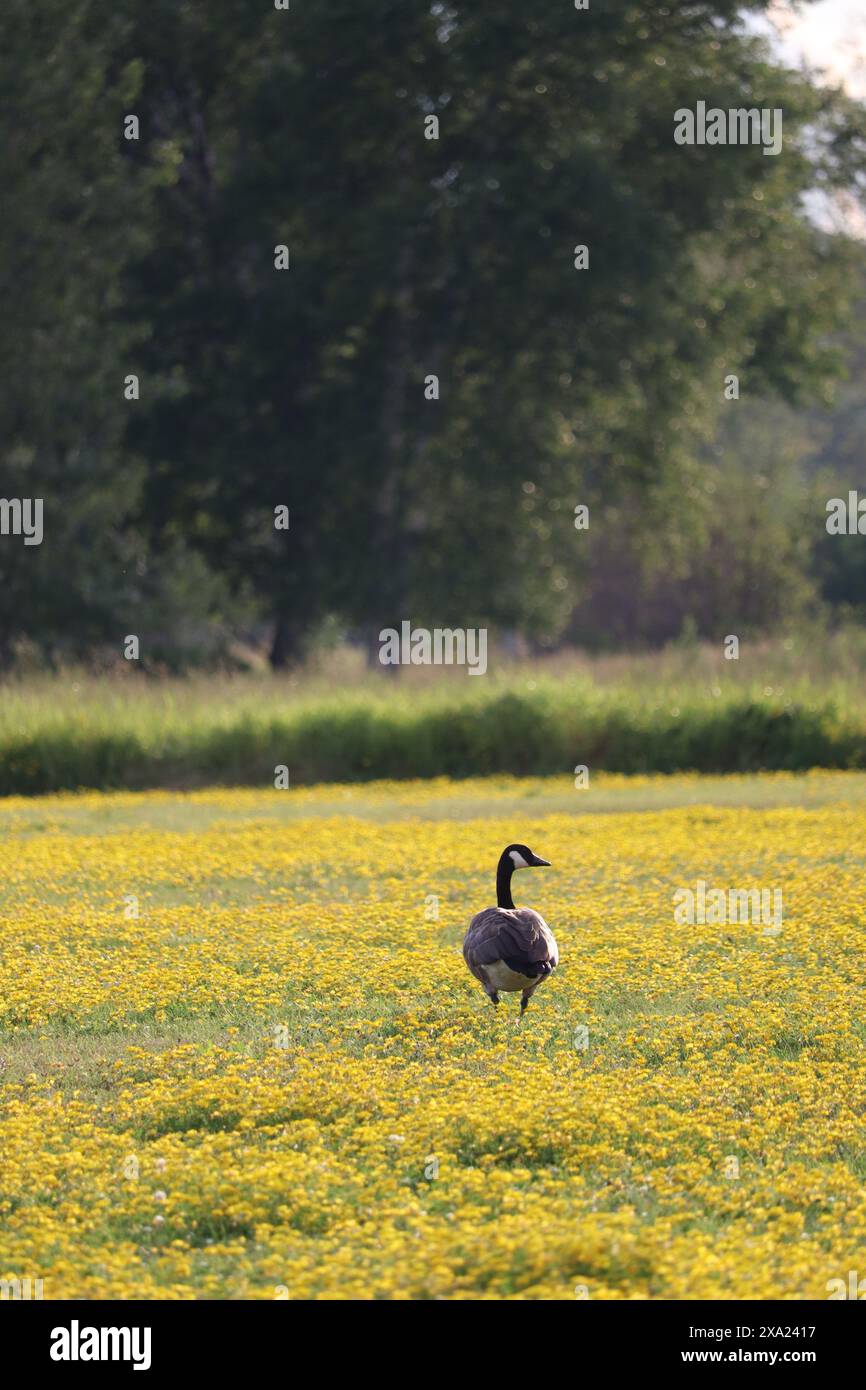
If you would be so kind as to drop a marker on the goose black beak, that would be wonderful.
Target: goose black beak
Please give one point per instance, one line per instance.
(539, 863)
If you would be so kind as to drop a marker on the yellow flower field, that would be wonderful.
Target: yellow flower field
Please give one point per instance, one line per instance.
(242, 1056)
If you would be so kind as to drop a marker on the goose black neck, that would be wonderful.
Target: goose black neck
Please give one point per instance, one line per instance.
(503, 882)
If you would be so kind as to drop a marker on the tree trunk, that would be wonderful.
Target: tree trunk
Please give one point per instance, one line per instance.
(288, 647)
(389, 544)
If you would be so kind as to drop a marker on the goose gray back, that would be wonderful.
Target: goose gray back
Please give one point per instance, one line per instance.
(510, 948)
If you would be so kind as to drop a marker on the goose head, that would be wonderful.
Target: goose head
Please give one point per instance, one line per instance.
(514, 857)
(522, 857)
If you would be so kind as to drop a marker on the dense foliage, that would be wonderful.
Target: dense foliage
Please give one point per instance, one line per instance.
(408, 257)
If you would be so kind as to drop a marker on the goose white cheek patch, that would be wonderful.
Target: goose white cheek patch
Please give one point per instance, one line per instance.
(517, 859)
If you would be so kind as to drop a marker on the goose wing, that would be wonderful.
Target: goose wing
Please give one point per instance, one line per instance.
(517, 935)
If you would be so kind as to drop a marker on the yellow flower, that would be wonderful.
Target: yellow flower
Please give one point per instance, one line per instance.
(240, 1010)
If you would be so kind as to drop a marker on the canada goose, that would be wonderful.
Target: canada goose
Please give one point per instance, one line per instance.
(506, 947)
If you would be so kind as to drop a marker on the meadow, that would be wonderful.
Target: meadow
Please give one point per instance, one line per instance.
(242, 1056)
(790, 703)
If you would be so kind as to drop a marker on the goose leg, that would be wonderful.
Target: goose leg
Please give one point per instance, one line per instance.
(524, 1000)
(493, 996)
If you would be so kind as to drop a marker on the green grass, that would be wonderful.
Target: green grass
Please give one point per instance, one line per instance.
(793, 705)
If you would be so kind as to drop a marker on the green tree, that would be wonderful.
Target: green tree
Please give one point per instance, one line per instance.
(455, 257)
(70, 222)
(409, 257)
(77, 213)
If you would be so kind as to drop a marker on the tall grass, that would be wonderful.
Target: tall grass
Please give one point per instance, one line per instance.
(787, 705)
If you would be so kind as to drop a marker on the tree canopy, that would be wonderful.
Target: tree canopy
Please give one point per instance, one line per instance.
(432, 171)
